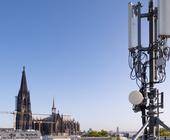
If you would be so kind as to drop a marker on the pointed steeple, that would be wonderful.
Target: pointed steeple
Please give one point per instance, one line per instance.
(53, 103)
(53, 107)
(23, 103)
(23, 86)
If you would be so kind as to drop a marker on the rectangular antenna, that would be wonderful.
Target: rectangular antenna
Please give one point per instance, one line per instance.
(164, 18)
(132, 26)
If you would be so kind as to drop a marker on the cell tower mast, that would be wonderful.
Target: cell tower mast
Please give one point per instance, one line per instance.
(148, 64)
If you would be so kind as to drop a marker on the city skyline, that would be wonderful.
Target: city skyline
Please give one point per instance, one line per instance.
(75, 51)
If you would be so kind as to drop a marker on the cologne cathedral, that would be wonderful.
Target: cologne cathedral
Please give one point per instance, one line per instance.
(55, 124)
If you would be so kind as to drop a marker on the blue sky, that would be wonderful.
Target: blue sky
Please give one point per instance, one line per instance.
(74, 51)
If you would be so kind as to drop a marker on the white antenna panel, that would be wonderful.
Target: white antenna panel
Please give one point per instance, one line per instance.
(132, 27)
(164, 18)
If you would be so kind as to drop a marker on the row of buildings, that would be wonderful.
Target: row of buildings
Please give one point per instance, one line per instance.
(54, 124)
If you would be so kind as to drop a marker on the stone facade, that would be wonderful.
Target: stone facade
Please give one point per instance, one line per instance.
(55, 124)
(23, 106)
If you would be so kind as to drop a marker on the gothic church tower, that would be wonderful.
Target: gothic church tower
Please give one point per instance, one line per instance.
(53, 108)
(23, 106)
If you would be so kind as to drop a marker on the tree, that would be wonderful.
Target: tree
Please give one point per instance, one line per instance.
(164, 132)
(101, 133)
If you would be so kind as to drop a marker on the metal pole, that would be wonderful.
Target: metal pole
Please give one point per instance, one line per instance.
(140, 131)
(151, 72)
(155, 52)
(151, 51)
(143, 75)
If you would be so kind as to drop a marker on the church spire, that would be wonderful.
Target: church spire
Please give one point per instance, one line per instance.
(23, 86)
(23, 115)
(53, 107)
